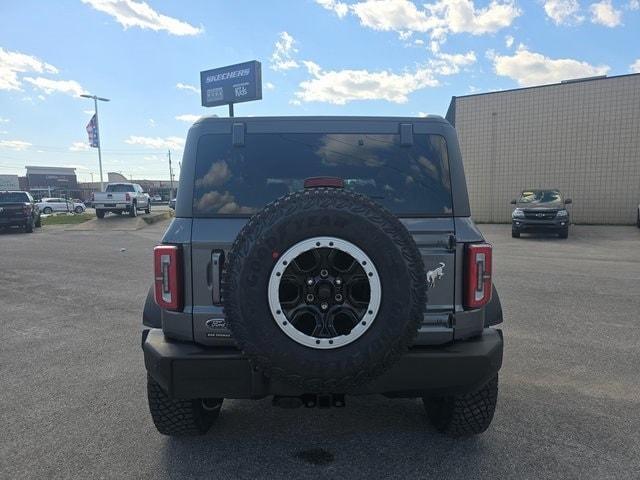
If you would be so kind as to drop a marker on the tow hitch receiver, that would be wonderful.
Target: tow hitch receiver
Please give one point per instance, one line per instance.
(310, 400)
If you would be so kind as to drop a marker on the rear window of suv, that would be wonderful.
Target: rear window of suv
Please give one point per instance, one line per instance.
(14, 197)
(238, 181)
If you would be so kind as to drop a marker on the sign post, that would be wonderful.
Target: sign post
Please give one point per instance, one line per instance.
(232, 84)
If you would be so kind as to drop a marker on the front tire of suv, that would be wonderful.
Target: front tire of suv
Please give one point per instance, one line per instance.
(180, 418)
(464, 415)
(133, 212)
(28, 228)
(515, 234)
(564, 233)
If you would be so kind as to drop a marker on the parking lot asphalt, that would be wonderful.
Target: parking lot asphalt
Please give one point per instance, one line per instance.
(73, 402)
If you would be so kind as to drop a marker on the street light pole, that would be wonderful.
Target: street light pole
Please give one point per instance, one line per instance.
(170, 175)
(95, 104)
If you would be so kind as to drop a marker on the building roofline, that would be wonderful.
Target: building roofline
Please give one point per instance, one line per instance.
(563, 82)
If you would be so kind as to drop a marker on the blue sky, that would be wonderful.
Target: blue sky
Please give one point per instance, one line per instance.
(319, 57)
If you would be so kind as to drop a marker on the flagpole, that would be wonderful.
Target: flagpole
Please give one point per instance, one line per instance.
(95, 104)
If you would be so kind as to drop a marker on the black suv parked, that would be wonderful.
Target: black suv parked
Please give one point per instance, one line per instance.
(18, 209)
(313, 258)
(540, 211)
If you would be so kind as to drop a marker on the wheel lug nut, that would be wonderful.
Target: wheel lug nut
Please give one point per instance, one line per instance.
(324, 273)
(310, 297)
(338, 281)
(324, 306)
(338, 297)
(309, 281)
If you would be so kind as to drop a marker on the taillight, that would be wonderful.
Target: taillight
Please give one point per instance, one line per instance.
(127, 197)
(168, 276)
(478, 275)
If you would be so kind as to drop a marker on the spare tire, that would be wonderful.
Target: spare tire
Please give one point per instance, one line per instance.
(325, 289)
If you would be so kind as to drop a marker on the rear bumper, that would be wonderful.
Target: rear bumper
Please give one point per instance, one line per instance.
(530, 225)
(112, 206)
(13, 221)
(187, 370)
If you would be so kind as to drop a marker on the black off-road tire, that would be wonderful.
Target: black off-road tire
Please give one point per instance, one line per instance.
(133, 211)
(100, 213)
(39, 222)
(564, 233)
(464, 415)
(180, 417)
(515, 234)
(148, 209)
(313, 213)
(28, 228)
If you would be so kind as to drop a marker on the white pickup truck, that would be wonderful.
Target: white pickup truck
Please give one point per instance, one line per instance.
(120, 198)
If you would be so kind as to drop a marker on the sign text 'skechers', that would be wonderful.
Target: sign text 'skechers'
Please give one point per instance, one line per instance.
(231, 84)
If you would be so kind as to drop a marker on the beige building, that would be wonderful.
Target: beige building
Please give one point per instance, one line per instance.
(580, 136)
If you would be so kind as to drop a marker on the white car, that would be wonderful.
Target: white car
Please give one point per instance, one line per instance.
(156, 198)
(51, 205)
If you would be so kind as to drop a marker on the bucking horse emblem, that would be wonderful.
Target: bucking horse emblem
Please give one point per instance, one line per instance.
(435, 274)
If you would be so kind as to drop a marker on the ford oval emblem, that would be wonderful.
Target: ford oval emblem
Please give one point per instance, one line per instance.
(216, 323)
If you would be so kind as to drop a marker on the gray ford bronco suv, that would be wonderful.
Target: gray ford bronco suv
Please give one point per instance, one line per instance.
(312, 258)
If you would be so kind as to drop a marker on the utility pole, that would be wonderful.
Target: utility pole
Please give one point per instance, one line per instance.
(170, 175)
(95, 104)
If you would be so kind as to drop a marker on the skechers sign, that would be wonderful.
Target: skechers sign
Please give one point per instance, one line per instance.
(232, 84)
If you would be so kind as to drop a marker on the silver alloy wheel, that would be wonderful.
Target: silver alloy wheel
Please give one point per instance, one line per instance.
(324, 292)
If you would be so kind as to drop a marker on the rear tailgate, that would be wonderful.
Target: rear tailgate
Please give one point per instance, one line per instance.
(432, 237)
(109, 199)
(12, 211)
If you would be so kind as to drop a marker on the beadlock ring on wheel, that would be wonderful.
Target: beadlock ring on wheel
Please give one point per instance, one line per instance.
(333, 296)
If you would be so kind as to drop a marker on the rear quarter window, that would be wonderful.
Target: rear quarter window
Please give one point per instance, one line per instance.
(238, 181)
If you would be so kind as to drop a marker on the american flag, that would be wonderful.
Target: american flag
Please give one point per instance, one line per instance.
(92, 130)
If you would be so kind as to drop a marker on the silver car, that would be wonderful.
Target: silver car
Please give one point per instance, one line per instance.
(51, 205)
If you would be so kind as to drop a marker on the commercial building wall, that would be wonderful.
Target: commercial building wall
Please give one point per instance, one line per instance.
(581, 137)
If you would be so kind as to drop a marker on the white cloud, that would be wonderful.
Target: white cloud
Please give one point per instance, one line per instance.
(418, 41)
(633, 5)
(342, 86)
(17, 145)
(158, 143)
(437, 19)
(186, 86)
(508, 41)
(269, 86)
(423, 114)
(152, 123)
(635, 66)
(48, 86)
(563, 12)
(12, 63)
(450, 64)
(89, 112)
(4, 120)
(79, 147)
(604, 13)
(187, 117)
(131, 13)
(282, 56)
(340, 8)
(530, 68)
